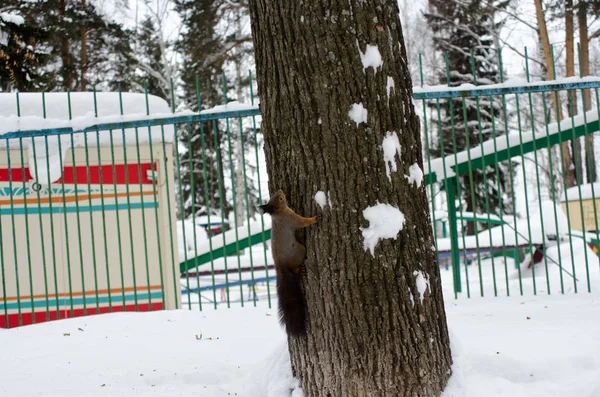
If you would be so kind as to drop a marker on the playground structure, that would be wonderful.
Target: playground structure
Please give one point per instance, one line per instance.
(101, 234)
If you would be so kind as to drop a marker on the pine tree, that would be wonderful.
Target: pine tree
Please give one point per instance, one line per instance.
(464, 31)
(201, 73)
(150, 61)
(22, 59)
(214, 46)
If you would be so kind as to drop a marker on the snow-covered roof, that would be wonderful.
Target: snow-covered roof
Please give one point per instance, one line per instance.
(84, 106)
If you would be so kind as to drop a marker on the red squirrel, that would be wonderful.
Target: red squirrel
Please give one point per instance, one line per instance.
(288, 255)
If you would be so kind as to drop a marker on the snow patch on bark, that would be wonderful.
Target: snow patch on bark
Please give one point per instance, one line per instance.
(371, 57)
(422, 282)
(415, 174)
(358, 113)
(391, 147)
(323, 199)
(390, 84)
(385, 221)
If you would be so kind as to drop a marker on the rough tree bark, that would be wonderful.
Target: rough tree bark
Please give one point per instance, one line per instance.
(585, 71)
(556, 108)
(65, 52)
(369, 332)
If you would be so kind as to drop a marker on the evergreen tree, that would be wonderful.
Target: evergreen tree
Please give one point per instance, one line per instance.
(212, 45)
(22, 59)
(464, 31)
(149, 61)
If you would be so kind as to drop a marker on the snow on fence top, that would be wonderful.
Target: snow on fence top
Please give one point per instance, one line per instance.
(443, 167)
(83, 109)
(443, 91)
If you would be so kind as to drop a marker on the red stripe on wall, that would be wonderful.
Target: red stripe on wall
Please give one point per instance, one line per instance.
(40, 317)
(123, 174)
(16, 173)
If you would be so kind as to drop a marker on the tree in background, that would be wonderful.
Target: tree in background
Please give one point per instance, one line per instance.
(72, 42)
(464, 32)
(22, 60)
(149, 61)
(213, 44)
(585, 7)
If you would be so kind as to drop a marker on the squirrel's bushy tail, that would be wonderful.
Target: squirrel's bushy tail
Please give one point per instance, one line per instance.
(291, 301)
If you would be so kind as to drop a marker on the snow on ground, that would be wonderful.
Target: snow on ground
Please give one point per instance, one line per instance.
(535, 346)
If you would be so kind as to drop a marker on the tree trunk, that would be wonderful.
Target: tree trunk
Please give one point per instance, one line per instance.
(584, 59)
(239, 188)
(545, 42)
(65, 52)
(83, 52)
(572, 95)
(369, 331)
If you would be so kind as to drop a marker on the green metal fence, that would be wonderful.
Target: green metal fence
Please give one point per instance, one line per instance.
(135, 207)
(507, 218)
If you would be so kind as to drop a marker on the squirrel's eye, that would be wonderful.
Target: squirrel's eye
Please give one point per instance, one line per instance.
(280, 198)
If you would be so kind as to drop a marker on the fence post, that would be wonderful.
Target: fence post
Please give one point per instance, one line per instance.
(453, 227)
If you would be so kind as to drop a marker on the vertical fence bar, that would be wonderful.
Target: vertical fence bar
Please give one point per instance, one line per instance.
(233, 194)
(451, 194)
(472, 191)
(27, 235)
(207, 201)
(588, 156)
(579, 181)
(154, 181)
(37, 187)
(512, 185)
(262, 219)
(4, 297)
(51, 215)
(3, 272)
(524, 170)
(459, 193)
(192, 167)
(176, 270)
(182, 213)
(428, 154)
(127, 191)
(483, 172)
(564, 171)
(451, 206)
(64, 208)
(243, 149)
(500, 199)
(118, 218)
(102, 205)
(91, 212)
(143, 211)
(222, 207)
(539, 193)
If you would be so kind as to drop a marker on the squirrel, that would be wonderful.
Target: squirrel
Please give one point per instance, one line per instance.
(288, 255)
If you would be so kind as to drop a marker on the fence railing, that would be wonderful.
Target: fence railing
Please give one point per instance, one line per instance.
(133, 208)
